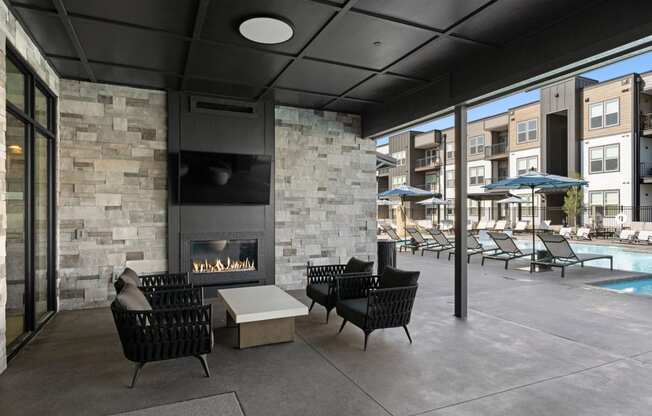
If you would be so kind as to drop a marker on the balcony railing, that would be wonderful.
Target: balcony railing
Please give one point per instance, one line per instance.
(646, 169)
(497, 149)
(427, 163)
(646, 121)
(432, 187)
(382, 171)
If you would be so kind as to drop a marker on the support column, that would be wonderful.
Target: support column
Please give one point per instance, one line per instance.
(461, 213)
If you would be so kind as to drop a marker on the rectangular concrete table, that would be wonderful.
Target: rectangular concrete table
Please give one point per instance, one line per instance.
(263, 314)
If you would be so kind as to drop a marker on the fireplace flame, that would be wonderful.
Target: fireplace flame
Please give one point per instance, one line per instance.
(217, 266)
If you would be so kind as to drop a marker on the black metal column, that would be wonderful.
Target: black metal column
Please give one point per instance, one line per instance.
(461, 214)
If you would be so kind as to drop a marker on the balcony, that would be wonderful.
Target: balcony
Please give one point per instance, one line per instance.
(496, 151)
(431, 187)
(646, 125)
(427, 163)
(645, 172)
(382, 171)
(428, 140)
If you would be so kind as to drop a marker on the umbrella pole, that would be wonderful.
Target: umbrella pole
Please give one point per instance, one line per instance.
(404, 218)
(532, 223)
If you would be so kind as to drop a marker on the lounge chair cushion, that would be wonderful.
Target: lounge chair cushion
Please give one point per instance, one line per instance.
(392, 277)
(132, 299)
(353, 310)
(318, 292)
(130, 276)
(358, 266)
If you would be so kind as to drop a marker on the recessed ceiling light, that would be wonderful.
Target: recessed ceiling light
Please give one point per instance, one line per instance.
(266, 30)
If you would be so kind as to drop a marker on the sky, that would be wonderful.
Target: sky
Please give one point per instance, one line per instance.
(640, 63)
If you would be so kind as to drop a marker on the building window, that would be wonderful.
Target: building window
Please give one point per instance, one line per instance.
(604, 159)
(476, 175)
(400, 157)
(432, 182)
(431, 156)
(527, 131)
(604, 114)
(526, 164)
(398, 181)
(450, 151)
(476, 145)
(450, 208)
(450, 179)
(609, 200)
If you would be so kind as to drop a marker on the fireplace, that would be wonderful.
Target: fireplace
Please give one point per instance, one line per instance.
(224, 256)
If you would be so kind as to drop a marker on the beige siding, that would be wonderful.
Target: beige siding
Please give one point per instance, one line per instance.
(474, 129)
(524, 113)
(498, 122)
(621, 89)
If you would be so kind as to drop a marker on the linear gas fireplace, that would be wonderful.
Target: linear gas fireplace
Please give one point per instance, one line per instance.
(223, 256)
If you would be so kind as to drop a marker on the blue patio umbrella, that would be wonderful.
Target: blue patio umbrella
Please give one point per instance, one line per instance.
(405, 193)
(533, 180)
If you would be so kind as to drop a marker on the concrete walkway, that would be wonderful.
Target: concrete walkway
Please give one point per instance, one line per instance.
(532, 345)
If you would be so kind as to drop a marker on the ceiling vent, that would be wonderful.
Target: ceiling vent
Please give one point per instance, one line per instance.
(222, 107)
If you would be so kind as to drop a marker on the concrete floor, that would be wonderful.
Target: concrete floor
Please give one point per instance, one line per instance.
(533, 344)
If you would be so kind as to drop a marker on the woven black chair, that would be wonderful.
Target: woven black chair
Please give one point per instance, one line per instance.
(150, 282)
(321, 281)
(367, 303)
(178, 325)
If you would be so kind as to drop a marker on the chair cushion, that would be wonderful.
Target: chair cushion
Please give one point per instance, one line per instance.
(132, 299)
(392, 277)
(129, 275)
(319, 293)
(358, 266)
(353, 310)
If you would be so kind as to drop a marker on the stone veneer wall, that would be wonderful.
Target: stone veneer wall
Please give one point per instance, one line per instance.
(113, 188)
(325, 192)
(11, 32)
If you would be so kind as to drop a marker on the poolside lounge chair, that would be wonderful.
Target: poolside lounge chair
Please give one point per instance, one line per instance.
(418, 241)
(566, 232)
(626, 236)
(583, 233)
(482, 225)
(500, 225)
(490, 225)
(443, 243)
(521, 226)
(643, 237)
(506, 249)
(394, 236)
(445, 226)
(473, 247)
(561, 254)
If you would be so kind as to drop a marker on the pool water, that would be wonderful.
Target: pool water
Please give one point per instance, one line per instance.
(624, 258)
(638, 286)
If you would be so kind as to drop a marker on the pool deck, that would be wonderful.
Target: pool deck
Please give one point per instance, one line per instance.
(532, 345)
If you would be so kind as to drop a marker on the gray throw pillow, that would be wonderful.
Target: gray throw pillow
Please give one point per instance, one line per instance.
(359, 266)
(132, 299)
(130, 276)
(392, 277)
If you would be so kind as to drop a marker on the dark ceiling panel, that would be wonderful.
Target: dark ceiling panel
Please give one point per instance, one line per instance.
(235, 63)
(170, 15)
(348, 106)
(298, 99)
(129, 46)
(507, 20)
(49, 33)
(351, 40)
(69, 68)
(383, 86)
(41, 4)
(321, 77)
(225, 16)
(133, 77)
(439, 56)
(224, 89)
(440, 14)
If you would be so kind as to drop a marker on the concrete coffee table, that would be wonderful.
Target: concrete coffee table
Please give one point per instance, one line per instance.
(263, 314)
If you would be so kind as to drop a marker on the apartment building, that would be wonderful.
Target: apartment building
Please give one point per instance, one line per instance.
(601, 131)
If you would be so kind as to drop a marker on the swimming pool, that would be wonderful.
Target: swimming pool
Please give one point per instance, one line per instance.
(624, 258)
(634, 286)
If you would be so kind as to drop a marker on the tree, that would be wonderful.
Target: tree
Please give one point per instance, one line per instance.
(573, 202)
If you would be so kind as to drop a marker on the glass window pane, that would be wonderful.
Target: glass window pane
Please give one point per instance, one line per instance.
(532, 135)
(611, 119)
(596, 110)
(611, 164)
(611, 107)
(532, 125)
(15, 85)
(521, 127)
(611, 198)
(522, 136)
(15, 196)
(596, 198)
(40, 226)
(41, 108)
(596, 153)
(596, 166)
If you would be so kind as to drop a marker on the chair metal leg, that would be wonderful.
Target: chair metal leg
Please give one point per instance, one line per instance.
(328, 312)
(366, 338)
(311, 305)
(506, 264)
(137, 368)
(438, 254)
(342, 327)
(204, 364)
(407, 333)
(482, 262)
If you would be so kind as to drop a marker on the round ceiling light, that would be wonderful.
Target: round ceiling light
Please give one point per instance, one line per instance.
(266, 30)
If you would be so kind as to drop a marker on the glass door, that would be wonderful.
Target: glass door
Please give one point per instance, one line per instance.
(29, 168)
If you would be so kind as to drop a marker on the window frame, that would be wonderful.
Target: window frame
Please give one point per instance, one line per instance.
(394, 182)
(526, 158)
(473, 179)
(527, 130)
(603, 147)
(603, 116)
(476, 148)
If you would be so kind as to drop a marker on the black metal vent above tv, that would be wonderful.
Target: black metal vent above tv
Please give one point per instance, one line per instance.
(211, 105)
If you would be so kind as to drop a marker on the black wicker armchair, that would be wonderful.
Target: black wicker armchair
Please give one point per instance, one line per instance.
(178, 325)
(152, 282)
(321, 281)
(375, 302)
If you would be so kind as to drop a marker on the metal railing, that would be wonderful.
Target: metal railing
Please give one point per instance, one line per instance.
(646, 121)
(382, 171)
(427, 162)
(646, 168)
(431, 187)
(495, 149)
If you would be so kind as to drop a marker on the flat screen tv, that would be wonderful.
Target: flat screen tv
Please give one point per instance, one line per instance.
(223, 178)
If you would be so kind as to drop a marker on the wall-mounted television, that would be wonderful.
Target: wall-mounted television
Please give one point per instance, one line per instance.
(223, 178)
